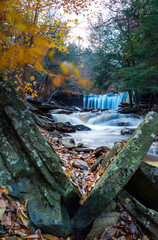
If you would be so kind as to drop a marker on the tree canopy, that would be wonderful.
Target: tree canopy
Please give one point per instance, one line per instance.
(127, 47)
(31, 30)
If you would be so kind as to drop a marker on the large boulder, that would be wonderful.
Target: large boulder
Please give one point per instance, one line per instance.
(30, 169)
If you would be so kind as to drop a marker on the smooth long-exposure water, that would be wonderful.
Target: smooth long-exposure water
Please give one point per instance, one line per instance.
(105, 129)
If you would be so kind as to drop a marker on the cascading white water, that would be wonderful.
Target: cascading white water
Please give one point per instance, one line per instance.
(106, 118)
(109, 101)
(105, 127)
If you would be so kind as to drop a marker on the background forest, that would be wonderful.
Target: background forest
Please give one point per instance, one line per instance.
(122, 54)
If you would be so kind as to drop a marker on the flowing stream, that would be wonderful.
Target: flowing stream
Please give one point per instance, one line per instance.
(105, 128)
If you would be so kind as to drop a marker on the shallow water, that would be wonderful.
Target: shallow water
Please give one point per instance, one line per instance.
(104, 128)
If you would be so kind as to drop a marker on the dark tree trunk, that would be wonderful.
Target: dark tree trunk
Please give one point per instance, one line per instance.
(130, 98)
(136, 99)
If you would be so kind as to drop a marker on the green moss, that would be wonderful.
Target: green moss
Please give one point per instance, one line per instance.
(29, 173)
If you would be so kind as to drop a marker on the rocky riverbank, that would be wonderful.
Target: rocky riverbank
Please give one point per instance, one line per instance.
(65, 203)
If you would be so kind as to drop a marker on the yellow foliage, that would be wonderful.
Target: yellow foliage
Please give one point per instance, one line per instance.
(27, 34)
(32, 78)
(75, 71)
(85, 82)
(58, 80)
(65, 68)
(51, 54)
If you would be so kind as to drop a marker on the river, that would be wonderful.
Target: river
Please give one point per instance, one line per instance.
(105, 128)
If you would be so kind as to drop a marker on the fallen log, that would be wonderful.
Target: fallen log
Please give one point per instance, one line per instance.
(118, 173)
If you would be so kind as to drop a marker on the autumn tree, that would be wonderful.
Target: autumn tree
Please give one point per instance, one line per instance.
(31, 30)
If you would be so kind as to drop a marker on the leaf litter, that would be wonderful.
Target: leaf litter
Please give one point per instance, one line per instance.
(13, 217)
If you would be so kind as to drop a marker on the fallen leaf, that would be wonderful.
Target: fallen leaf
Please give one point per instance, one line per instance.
(2, 211)
(24, 218)
(3, 203)
(6, 221)
(5, 190)
(19, 233)
(22, 232)
(127, 200)
(83, 198)
(50, 237)
(34, 236)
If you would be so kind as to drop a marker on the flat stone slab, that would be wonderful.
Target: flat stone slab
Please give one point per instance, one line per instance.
(81, 164)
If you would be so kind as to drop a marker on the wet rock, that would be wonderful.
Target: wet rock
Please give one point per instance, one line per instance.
(81, 127)
(68, 144)
(155, 108)
(81, 164)
(72, 141)
(129, 110)
(97, 162)
(127, 131)
(43, 121)
(101, 223)
(121, 124)
(65, 127)
(56, 134)
(100, 150)
(84, 150)
(46, 107)
(79, 145)
(77, 108)
(61, 111)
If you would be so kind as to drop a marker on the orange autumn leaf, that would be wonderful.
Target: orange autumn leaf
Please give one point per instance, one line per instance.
(58, 80)
(5, 190)
(83, 198)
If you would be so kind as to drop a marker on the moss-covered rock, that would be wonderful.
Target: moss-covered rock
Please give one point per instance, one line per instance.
(144, 185)
(30, 169)
(146, 216)
(118, 173)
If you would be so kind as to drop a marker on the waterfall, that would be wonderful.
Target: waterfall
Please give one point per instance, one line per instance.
(106, 101)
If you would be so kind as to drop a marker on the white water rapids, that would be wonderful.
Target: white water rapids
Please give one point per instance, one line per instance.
(105, 129)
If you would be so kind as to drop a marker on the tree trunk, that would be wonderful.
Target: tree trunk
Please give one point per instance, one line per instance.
(130, 98)
(136, 99)
(30, 169)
